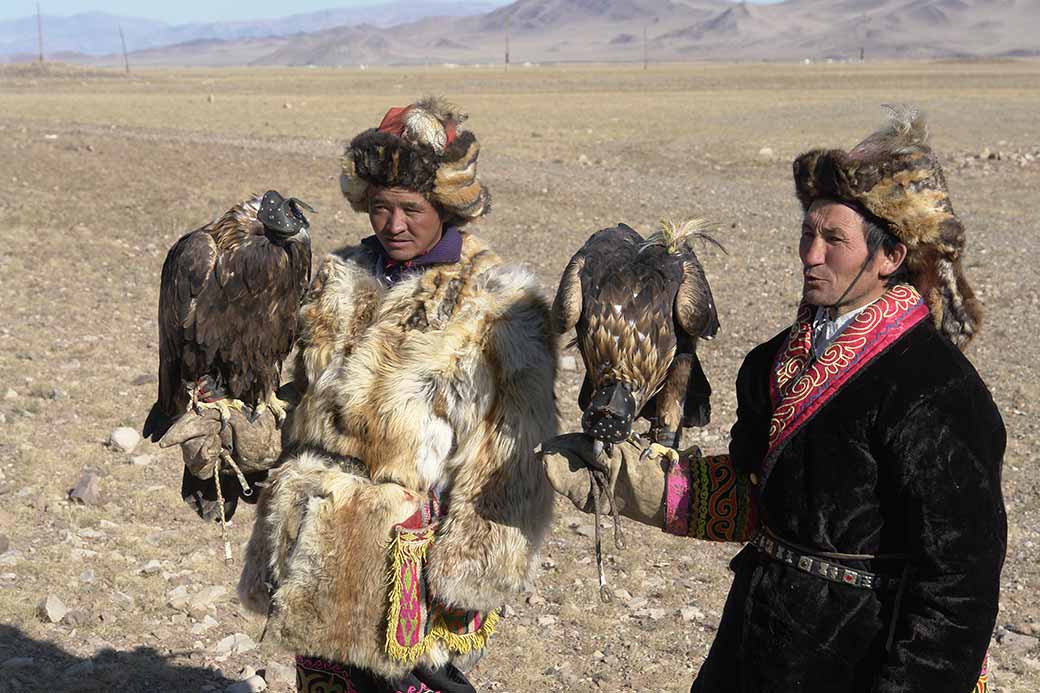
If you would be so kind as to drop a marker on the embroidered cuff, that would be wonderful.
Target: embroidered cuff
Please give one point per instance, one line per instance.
(706, 498)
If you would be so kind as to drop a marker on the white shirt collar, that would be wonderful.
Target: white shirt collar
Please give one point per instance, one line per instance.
(825, 329)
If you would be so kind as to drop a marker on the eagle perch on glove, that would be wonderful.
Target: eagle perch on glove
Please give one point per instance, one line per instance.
(228, 299)
(639, 307)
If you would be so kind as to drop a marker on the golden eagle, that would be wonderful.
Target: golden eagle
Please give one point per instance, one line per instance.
(228, 299)
(639, 306)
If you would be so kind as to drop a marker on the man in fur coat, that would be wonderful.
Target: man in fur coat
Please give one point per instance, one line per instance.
(864, 465)
(408, 502)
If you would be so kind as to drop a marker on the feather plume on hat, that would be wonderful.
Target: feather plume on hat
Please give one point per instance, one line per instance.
(896, 177)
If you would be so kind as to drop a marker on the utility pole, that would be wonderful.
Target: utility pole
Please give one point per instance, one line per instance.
(507, 43)
(644, 48)
(863, 46)
(39, 31)
(126, 58)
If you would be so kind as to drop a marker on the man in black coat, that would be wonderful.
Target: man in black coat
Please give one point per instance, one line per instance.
(864, 466)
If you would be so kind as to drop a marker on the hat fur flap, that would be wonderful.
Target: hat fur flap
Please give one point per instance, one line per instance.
(895, 176)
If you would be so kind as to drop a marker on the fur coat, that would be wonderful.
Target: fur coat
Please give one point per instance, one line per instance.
(441, 383)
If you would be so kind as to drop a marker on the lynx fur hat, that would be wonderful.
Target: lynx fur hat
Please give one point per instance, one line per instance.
(420, 147)
(895, 177)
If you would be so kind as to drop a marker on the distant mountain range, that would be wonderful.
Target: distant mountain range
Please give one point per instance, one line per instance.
(97, 33)
(410, 32)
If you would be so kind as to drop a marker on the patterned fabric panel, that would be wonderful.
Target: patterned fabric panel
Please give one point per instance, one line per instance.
(416, 621)
(314, 675)
(983, 685)
(706, 498)
(801, 385)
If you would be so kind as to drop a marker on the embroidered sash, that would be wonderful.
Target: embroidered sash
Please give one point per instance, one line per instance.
(799, 386)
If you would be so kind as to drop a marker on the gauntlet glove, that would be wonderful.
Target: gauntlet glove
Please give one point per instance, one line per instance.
(637, 477)
(206, 446)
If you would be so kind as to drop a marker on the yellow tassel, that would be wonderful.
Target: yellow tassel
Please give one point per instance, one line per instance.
(413, 546)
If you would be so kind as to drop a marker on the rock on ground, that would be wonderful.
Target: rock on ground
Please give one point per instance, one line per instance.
(237, 643)
(124, 439)
(277, 672)
(251, 685)
(87, 489)
(51, 609)
(77, 618)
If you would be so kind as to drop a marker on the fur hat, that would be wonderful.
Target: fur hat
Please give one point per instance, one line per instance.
(895, 176)
(420, 147)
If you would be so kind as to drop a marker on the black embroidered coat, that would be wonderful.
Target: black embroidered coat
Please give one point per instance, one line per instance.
(905, 458)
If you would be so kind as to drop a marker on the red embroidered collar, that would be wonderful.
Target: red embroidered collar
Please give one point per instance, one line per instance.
(800, 385)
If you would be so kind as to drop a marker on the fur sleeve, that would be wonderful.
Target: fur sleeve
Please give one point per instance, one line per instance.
(500, 501)
(337, 308)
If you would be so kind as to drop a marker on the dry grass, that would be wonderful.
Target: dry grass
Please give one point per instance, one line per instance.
(103, 174)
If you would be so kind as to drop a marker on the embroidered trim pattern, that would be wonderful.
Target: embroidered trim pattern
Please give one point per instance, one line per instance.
(423, 688)
(706, 498)
(800, 387)
(415, 622)
(316, 675)
(983, 684)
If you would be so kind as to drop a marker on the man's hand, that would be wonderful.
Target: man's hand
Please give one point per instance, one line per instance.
(205, 441)
(636, 476)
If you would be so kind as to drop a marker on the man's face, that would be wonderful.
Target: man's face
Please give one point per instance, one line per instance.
(405, 222)
(833, 248)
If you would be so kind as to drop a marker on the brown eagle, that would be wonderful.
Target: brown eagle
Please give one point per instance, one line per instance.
(639, 306)
(228, 299)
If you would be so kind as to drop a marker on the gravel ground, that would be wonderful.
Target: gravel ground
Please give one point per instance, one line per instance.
(128, 591)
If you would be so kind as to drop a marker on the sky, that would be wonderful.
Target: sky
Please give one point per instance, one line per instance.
(188, 10)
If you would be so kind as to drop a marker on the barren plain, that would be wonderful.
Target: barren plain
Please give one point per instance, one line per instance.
(102, 172)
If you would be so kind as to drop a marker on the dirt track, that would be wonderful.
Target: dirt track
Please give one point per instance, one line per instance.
(103, 174)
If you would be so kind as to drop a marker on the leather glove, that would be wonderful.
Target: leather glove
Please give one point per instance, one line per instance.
(254, 446)
(638, 484)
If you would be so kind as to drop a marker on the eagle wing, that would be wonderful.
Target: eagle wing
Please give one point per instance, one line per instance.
(186, 273)
(695, 310)
(566, 308)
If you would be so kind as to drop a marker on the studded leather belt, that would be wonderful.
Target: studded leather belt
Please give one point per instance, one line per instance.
(824, 566)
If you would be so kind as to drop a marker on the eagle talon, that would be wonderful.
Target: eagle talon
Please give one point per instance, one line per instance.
(278, 407)
(656, 450)
(223, 407)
